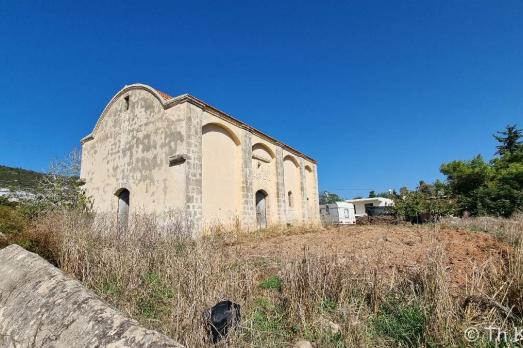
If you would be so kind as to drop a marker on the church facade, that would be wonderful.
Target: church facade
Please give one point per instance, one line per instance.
(153, 153)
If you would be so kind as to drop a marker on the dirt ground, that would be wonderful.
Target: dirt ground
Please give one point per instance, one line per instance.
(385, 247)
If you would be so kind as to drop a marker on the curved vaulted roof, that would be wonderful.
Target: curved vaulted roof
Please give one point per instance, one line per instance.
(168, 101)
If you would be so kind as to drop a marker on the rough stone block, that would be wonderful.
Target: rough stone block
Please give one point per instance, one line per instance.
(40, 306)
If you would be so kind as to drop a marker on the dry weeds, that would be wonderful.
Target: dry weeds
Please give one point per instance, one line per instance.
(292, 284)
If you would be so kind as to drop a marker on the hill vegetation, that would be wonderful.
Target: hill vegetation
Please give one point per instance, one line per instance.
(18, 179)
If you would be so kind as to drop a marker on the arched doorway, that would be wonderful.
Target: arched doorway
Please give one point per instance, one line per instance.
(261, 209)
(123, 208)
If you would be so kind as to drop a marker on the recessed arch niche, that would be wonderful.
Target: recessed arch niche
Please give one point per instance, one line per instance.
(221, 180)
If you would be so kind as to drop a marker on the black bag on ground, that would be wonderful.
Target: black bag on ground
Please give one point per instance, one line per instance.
(221, 318)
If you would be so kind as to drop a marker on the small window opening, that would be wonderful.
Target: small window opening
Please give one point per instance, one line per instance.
(176, 160)
(123, 209)
(289, 195)
(126, 102)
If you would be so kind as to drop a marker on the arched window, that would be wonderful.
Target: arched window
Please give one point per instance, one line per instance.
(289, 195)
(123, 208)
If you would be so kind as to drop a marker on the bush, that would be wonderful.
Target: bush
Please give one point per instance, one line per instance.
(12, 221)
(328, 305)
(433, 200)
(155, 302)
(273, 282)
(269, 319)
(402, 322)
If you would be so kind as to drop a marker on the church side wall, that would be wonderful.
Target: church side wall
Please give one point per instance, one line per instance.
(237, 163)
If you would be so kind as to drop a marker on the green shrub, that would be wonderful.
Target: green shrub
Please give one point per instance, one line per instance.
(403, 323)
(155, 303)
(273, 282)
(268, 323)
(328, 305)
(111, 287)
(11, 220)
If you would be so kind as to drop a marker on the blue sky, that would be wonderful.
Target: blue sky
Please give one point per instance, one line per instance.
(379, 92)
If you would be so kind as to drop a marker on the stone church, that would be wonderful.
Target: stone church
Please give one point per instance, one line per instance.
(153, 153)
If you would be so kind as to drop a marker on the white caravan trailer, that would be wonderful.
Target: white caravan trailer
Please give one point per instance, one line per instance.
(339, 213)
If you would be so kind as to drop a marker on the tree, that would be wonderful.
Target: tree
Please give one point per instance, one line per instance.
(387, 194)
(432, 199)
(409, 204)
(423, 186)
(508, 140)
(372, 194)
(329, 197)
(60, 187)
(490, 188)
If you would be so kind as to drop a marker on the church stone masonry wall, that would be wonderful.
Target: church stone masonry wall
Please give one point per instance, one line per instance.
(315, 194)
(247, 193)
(193, 202)
(280, 186)
(304, 193)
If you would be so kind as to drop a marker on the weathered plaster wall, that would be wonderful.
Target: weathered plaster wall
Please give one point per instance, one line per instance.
(42, 307)
(130, 149)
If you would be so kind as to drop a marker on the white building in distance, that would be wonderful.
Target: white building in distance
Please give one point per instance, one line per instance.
(361, 204)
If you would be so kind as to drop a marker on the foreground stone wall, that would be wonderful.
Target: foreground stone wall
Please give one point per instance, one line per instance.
(42, 307)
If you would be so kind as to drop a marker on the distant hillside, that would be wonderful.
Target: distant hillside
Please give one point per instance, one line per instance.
(19, 179)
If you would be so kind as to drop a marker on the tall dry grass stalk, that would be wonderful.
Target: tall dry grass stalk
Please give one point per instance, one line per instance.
(160, 276)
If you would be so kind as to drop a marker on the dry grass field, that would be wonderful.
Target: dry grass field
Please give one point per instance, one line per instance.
(353, 286)
(390, 249)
